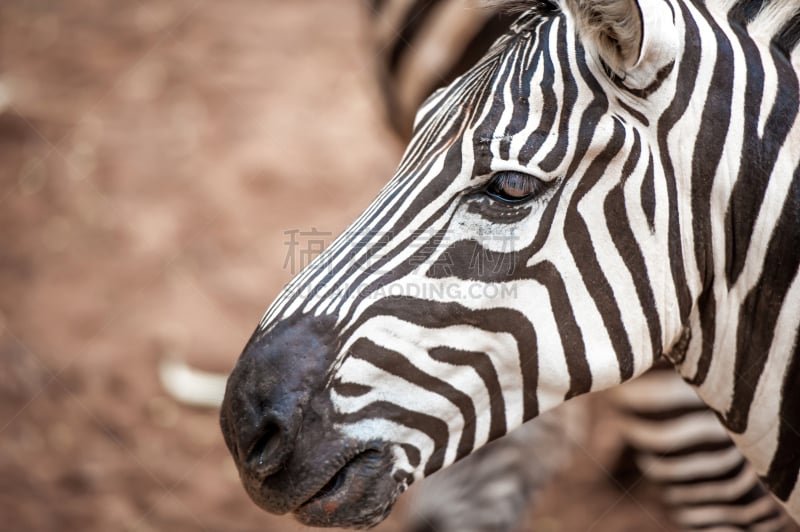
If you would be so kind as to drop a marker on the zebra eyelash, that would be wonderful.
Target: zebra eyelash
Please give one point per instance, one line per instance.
(513, 188)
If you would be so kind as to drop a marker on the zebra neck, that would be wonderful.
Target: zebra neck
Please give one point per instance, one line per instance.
(744, 222)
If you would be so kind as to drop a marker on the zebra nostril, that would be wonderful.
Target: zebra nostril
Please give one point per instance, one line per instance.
(265, 455)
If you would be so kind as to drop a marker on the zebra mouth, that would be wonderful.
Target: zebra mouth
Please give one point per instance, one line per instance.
(360, 494)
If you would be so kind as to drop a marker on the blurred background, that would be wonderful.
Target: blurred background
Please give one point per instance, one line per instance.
(156, 160)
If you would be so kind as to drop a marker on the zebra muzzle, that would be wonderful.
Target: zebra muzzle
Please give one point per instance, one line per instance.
(278, 422)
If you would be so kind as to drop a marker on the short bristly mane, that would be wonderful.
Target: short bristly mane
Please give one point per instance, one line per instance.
(520, 6)
(780, 19)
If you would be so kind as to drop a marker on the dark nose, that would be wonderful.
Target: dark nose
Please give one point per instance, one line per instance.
(269, 391)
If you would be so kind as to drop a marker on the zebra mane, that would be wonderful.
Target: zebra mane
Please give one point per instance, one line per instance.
(543, 7)
(780, 18)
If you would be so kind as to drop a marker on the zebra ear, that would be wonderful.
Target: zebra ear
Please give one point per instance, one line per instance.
(612, 27)
(635, 39)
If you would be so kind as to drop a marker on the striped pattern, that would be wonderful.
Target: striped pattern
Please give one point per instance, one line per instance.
(492, 489)
(666, 222)
(672, 440)
(678, 444)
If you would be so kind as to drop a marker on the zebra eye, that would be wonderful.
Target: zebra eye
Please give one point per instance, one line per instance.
(514, 187)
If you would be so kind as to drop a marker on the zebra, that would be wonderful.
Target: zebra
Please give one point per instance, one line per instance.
(644, 157)
(422, 46)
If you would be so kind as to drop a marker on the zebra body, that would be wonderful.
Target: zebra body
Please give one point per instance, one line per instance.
(641, 161)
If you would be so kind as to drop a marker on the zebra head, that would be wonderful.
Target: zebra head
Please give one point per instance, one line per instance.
(526, 251)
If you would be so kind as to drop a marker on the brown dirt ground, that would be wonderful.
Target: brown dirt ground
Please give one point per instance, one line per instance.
(153, 154)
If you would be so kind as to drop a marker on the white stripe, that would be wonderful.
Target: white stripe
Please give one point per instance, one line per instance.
(725, 513)
(714, 490)
(668, 435)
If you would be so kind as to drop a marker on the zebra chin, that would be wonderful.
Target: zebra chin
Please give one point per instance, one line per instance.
(352, 489)
(360, 495)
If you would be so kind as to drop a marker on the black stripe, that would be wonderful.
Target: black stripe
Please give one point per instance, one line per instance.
(746, 10)
(439, 315)
(687, 77)
(708, 147)
(644, 92)
(482, 364)
(648, 194)
(634, 113)
(568, 98)
(701, 478)
(707, 308)
(661, 366)
(755, 493)
(759, 312)
(433, 427)
(664, 414)
(468, 259)
(615, 210)
(520, 91)
(397, 364)
(580, 375)
(579, 241)
(546, 94)
(782, 475)
(774, 514)
(592, 114)
(787, 38)
(350, 389)
(412, 453)
(710, 446)
(759, 154)
(485, 130)
(545, 228)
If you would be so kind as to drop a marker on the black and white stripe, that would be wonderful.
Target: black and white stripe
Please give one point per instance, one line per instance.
(491, 490)
(672, 439)
(664, 151)
(678, 443)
